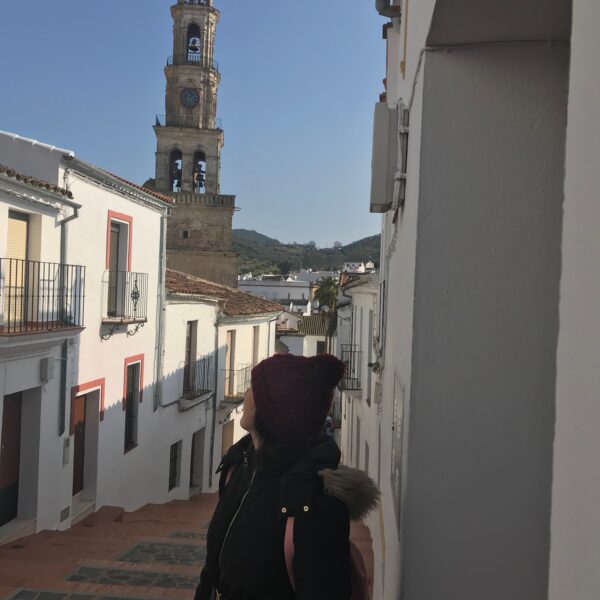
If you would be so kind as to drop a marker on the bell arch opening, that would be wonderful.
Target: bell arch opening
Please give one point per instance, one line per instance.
(175, 170)
(194, 43)
(199, 172)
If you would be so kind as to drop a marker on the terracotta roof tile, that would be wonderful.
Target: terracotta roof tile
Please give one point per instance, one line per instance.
(33, 182)
(314, 325)
(163, 197)
(232, 301)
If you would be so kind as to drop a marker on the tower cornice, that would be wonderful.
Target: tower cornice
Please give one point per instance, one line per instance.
(193, 7)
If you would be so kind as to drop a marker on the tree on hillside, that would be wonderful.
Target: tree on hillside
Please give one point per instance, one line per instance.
(327, 293)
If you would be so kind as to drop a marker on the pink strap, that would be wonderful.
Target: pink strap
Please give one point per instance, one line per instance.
(288, 549)
(229, 474)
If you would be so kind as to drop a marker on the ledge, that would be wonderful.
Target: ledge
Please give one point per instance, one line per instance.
(122, 321)
(201, 397)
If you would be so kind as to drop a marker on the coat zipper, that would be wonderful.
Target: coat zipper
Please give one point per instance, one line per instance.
(237, 511)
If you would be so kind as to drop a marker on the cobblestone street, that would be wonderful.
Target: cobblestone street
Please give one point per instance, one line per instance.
(155, 552)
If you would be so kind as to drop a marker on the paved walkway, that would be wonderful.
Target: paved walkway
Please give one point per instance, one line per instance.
(155, 552)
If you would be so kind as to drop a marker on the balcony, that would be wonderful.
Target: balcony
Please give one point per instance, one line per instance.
(352, 359)
(125, 297)
(194, 59)
(38, 297)
(198, 383)
(236, 383)
(185, 121)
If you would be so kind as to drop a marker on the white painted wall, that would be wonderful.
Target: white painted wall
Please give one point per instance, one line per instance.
(277, 290)
(575, 535)
(295, 343)
(31, 157)
(463, 114)
(244, 328)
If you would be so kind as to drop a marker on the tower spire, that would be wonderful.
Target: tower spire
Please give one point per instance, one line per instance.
(189, 143)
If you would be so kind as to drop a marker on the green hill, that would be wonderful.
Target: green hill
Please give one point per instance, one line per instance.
(262, 254)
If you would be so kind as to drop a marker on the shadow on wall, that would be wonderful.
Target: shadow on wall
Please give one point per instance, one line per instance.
(152, 441)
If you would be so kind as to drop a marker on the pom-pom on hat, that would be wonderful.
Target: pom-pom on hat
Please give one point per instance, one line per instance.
(293, 394)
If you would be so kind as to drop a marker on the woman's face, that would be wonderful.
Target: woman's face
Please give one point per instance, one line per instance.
(247, 421)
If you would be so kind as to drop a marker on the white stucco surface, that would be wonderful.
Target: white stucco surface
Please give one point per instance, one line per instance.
(575, 536)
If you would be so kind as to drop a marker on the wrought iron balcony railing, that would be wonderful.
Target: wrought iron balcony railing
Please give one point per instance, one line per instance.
(198, 378)
(236, 383)
(40, 296)
(352, 359)
(125, 296)
(195, 59)
(185, 121)
(196, 2)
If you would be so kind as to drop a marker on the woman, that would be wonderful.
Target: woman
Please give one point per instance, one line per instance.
(284, 477)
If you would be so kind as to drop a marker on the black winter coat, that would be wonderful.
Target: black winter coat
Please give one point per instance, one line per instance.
(245, 550)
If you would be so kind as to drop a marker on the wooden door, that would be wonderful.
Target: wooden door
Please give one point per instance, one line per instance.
(197, 462)
(16, 268)
(10, 458)
(78, 443)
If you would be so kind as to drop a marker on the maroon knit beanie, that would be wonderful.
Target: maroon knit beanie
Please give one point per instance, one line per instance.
(293, 394)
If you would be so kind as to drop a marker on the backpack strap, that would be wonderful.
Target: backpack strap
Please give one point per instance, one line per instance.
(288, 549)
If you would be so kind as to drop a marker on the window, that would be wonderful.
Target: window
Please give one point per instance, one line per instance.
(357, 442)
(174, 465)
(132, 396)
(255, 344)
(191, 336)
(366, 458)
(185, 235)
(321, 347)
(118, 262)
(369, 357)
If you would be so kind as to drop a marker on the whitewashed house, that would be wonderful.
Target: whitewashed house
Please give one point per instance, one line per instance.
(358, 409)
(243, 334)
(310, 336)
(42, 304)
(486, 333)
(113, 392)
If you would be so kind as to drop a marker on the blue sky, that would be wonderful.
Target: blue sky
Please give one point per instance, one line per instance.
(300, 80)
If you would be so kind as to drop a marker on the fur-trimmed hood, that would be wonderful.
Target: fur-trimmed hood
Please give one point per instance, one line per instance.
(353, 487)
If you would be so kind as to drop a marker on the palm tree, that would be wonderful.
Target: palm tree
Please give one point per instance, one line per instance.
(327, 293)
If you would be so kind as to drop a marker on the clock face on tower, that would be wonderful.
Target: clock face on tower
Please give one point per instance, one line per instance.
(190, 97)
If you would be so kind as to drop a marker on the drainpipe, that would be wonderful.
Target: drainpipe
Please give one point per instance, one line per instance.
(386, 9)
(160, 314)
(214, 406)
(269, 339)
(62, 418)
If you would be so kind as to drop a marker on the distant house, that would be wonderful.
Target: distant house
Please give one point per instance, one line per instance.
(315, 276)
(277, 289)
(354, 267)
(310, 338)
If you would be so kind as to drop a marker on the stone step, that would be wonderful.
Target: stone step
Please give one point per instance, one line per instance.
(140, 576)
(133, 530)
(93, 591)
(106, 514)
(184, 570)
(50, 539)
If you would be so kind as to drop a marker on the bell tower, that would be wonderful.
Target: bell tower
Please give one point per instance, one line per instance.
(188, 155)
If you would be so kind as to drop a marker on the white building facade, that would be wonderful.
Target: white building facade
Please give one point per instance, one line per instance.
(113, 387)
(484, 439)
